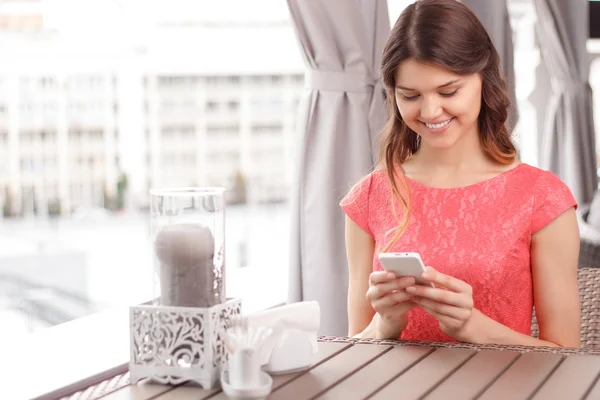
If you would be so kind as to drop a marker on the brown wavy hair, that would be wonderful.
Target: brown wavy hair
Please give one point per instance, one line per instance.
(447, 34)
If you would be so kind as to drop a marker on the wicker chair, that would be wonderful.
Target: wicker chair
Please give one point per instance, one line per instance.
(589, 254)
(589, 296)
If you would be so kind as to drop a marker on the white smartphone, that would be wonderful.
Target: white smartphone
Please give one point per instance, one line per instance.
(404, 264)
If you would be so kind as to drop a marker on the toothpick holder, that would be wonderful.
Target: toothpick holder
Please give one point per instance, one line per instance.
(172, 345)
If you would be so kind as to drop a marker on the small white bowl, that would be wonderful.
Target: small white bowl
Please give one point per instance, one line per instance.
(252, 393)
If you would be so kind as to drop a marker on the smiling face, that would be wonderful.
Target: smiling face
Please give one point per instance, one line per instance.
(438, 105)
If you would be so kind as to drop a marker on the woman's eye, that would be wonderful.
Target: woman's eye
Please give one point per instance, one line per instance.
(409, 97)
(448, 94)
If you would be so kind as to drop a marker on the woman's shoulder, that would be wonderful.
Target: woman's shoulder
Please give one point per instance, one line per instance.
(549, 195)
(553, 198)
(379, 174)
(538, 180)
(531, 170)
(374, 179)
(367, 188)
(362, 196)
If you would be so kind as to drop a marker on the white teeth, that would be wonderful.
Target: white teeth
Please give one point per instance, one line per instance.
(438, 126)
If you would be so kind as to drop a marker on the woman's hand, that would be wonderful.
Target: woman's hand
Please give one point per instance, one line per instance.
(450, 302)
(390, 300)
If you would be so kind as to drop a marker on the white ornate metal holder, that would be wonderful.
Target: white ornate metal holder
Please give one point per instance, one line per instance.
(172, 345)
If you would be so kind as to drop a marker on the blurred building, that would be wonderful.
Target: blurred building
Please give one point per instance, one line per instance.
(97, 119)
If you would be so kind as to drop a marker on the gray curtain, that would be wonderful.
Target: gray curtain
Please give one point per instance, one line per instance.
(340, 116)
(494, 16)
(568, 139)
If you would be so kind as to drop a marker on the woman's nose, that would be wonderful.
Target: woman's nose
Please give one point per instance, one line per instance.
(430, 110)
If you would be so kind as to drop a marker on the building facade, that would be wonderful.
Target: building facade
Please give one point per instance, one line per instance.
(97, 122)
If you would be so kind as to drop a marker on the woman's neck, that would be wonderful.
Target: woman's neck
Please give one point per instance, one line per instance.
(465, 155)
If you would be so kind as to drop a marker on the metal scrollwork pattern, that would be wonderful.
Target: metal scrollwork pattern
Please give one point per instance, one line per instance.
(172, 345)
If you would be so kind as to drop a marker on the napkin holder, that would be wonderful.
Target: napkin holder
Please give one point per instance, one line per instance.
(292, 352)
(294, 339)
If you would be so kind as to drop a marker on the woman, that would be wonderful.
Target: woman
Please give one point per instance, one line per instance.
(498, 236)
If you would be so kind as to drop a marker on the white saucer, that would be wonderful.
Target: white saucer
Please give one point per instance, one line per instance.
(253, 393)
(287, 371)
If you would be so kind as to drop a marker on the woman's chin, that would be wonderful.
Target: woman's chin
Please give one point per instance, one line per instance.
(439, 143)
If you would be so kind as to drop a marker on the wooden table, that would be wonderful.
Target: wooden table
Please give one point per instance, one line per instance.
(347, 368)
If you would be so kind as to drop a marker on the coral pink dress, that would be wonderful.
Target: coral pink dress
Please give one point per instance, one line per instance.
(479, 233)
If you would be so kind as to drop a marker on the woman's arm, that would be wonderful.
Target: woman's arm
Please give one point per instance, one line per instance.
(554, 259)
(377, 301)
(360, 248)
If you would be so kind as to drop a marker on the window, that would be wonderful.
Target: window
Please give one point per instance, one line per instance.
(220, 131)
(212, 106)
(123, 122)
(212, 80)
(274, 129)
(233, 105)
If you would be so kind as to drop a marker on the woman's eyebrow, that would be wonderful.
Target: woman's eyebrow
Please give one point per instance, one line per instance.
(452, 82)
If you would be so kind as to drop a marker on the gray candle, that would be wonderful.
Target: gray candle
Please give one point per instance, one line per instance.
(188, 275)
